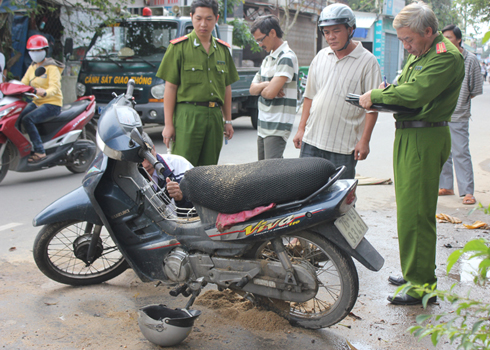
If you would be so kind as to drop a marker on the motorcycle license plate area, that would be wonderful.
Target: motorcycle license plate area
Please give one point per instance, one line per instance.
(352, 227)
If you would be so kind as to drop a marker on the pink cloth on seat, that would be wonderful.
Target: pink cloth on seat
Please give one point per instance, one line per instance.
(225, 221)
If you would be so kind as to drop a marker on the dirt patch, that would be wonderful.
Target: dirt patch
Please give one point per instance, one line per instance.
(233, 307)
(38, 313)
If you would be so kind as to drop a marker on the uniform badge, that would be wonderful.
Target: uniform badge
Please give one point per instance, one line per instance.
(178, 40)
(441, 47)
(418, 67)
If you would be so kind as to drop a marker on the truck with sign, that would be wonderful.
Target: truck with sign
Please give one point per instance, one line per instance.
(133, 48)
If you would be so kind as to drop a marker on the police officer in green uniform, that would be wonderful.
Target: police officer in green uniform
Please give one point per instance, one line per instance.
(198, 71)
(431, 81)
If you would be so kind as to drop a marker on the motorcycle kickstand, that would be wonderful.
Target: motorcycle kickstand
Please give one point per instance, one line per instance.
(196, 288)
(195, 294)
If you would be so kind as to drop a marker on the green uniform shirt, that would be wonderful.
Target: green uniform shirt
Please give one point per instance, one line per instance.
(431, 82)
(201, 77)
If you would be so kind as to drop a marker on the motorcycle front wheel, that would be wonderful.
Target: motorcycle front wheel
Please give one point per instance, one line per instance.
(60, 253)
(338, 283)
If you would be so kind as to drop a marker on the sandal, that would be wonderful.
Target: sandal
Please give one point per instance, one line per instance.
(469, 199)
(445, 192)
(36, 157)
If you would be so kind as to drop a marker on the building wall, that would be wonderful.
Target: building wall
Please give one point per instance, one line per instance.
(302, 39)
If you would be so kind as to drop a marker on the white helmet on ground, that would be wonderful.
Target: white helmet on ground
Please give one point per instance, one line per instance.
(166, 327)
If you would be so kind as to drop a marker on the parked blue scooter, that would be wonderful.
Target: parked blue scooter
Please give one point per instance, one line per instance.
(298, 254)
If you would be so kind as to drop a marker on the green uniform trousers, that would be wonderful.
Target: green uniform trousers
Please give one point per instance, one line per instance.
(198, 133)
(418, 157)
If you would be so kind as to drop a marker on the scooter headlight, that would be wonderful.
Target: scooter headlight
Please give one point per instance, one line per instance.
(157, 91)
(6, 111)
(111, 153)
(81, 89)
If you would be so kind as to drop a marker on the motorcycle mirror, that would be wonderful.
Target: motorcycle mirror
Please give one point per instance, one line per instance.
(39, 71)
(136, 137)
(68, 47)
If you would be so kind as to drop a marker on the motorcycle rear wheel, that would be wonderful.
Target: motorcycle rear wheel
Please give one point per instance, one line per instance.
(90, 133)
(55, 249)
(338, 282)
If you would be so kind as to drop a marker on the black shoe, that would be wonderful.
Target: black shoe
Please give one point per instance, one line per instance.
(408, 300)
(396, 280)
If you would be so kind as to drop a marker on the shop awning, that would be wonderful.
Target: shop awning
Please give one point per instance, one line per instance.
(364, 21)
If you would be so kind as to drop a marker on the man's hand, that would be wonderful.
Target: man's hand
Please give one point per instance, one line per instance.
(382, 86)
(298, 138)
(365, 100)
(228, 131)
(361, 151)
(280, 94)
(168, 134)
(174, 191)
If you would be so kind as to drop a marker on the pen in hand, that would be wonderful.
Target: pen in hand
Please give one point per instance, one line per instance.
(384, 81)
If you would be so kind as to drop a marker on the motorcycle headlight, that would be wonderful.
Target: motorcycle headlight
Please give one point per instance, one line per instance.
(111, 153)
(157, 91)
(6, 111)
(81, 89)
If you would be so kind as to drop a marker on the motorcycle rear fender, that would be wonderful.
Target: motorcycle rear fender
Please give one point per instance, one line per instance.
(81, 120)
(73, 206)
(365, 253)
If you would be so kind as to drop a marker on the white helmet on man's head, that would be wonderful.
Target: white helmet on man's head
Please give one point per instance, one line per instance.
(337, 14)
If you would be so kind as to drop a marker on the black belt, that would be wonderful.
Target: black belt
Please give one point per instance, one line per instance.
(204, 104)
(419, 124)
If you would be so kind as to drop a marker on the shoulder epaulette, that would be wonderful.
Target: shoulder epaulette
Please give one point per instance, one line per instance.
(179, 40)
(441, 47)
(223, 42)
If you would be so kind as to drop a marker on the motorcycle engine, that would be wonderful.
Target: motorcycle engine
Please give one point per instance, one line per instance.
(177, 266)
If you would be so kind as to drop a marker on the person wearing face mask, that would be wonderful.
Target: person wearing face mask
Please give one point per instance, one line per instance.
(49, 98)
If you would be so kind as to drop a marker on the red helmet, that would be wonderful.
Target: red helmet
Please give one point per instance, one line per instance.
(147, 12)
(37, 42)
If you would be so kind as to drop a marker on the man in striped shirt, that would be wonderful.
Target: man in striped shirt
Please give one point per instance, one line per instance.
(276, 84)
(459, 126)
(330, 127)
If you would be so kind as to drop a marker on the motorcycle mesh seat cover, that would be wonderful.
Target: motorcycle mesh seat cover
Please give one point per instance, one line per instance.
(234, 188)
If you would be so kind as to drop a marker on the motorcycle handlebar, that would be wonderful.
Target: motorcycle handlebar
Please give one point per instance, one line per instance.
(129, 92)
(159, 167)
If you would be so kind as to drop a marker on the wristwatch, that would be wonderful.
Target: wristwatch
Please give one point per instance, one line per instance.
(228, 122)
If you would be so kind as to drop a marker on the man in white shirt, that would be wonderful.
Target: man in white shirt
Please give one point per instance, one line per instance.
(276, 85)
(330, 127)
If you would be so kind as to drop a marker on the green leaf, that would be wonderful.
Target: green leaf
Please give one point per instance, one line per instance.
(484, 40)
(453, 258)
(435, 338)
(476, 326)
(422, 318)
(476, 245)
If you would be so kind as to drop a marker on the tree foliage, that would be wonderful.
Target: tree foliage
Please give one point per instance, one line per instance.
(242, 35)
(364, 5)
